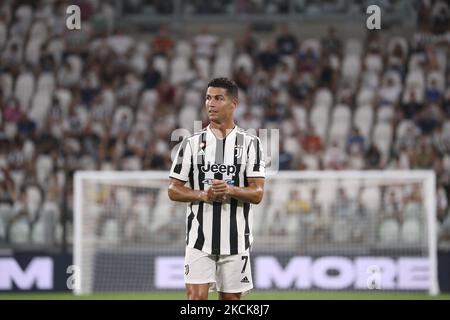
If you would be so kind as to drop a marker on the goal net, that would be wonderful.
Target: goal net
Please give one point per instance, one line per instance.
(325, 230)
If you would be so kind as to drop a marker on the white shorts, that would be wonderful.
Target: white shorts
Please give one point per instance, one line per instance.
(224, 273)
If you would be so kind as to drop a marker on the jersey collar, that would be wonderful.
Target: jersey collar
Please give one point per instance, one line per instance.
(229, 133)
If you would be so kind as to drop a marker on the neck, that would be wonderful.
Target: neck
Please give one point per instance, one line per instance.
(222, 129)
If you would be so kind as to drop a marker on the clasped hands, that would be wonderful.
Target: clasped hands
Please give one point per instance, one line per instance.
(218, 192)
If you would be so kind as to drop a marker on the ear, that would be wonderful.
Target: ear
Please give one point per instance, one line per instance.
(235, 102)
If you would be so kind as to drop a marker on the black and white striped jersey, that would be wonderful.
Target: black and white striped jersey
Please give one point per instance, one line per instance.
(219, 228)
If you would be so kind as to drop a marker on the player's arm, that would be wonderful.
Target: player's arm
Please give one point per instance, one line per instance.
(253, 193)
(179, 192)
(179, 174)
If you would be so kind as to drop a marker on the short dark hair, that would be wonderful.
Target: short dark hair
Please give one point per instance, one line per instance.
(229, 85)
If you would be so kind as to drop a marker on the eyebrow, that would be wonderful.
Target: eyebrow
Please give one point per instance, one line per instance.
(217, 95)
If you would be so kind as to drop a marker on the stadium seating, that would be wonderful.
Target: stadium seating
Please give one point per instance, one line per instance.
(100, 89)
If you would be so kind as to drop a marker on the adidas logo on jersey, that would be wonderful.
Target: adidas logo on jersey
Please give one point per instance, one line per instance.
(245, 280)
(219, 168)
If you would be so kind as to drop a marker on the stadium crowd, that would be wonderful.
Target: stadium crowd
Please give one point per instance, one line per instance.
(244, 7)
(100, 100)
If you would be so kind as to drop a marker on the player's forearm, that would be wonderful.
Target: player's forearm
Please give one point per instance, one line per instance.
(185, 194)
(253, 194)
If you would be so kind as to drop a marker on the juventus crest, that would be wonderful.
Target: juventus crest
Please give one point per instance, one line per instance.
(238, 151)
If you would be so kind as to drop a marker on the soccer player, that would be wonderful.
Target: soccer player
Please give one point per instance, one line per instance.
(220, 172)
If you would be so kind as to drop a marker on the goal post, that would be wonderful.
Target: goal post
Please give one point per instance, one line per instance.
(314, 230)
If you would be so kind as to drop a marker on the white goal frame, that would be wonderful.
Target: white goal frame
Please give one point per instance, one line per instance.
(428, 176)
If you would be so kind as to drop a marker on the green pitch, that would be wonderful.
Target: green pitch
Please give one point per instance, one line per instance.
(256, 295)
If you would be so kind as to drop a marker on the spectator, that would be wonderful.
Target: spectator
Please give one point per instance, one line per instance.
(355, 141)
(259, 91)
(355, 159)
(373, 157)
(7, 187)
(286, 42)
(26, 127)
(389, 92)
(442, 203)
(433, 94)
(321, 225)
(312, 143)
(411, 106)
(12, 111)
(327, 75)
(343, 206)
(428, 119)
(423, 156)
(12, 57)
(331, 44)
(285, 158)
(163, 43)
(299, 86)
(242, 79)
(440, 17)
(151, 76)
(296, 205)
(334, 157)
(120, 43)
(67, 76)
(360, 225)
(397, 59)
(400, 161)
(166, 95)
(247, 42)
(205, 44)
(446, 102)
(424, 15)
(268, 58)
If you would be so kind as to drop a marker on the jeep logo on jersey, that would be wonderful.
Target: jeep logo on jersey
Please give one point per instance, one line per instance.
(219, 168)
